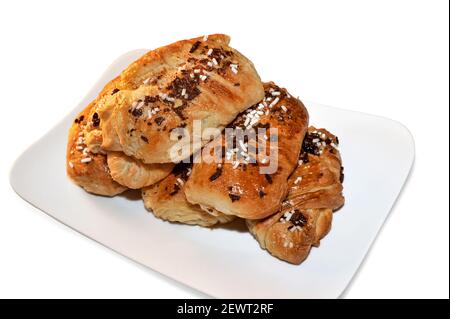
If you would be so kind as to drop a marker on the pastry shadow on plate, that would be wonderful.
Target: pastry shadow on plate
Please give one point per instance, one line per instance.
(131, 194)
(237, 225)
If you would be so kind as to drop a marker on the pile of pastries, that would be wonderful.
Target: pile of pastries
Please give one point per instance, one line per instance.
(185, 97)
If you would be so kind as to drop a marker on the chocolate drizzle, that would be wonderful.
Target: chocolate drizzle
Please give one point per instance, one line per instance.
(159, 120)
(80, 119)
(181, 170)
(194, 46)
(150, 99)
(298, 219)
(137, 112)
(216, 174)
(95, 119)
(234, 197)
(184, 84)
(309, 146)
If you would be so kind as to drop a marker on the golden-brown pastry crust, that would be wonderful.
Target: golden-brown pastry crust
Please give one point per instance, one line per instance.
(172, 86)
(87, 169)
(319, 177)
(242, 190)
(315, 190)
(134, 174)
(167, 201)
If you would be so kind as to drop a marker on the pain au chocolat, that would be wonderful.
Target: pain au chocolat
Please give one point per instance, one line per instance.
(237, 187)
(169, 88)
(166, 200)
(315, 190)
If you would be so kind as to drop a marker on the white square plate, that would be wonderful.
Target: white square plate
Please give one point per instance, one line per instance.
(227, 262)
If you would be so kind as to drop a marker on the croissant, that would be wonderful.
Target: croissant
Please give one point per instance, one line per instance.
(167, 201)
(238, 187)
(315, 190)
(89, 166)
(171, 87)
(86, 168)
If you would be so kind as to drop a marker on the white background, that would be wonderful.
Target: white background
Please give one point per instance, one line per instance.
(388, 58)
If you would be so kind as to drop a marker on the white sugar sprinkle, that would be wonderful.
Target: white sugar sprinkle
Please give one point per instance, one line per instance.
(180, 181)
(215, 61)
(139, 105)
(288, 215)
(275, 93)
(234, 68)
(235, 165)
(298, 180)
(210, 64)
(284, 108)
(86, 160)
(71, 164)
(183, 92)
(210, 51)
(146, 81)
(274, 102)
(205, 38)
